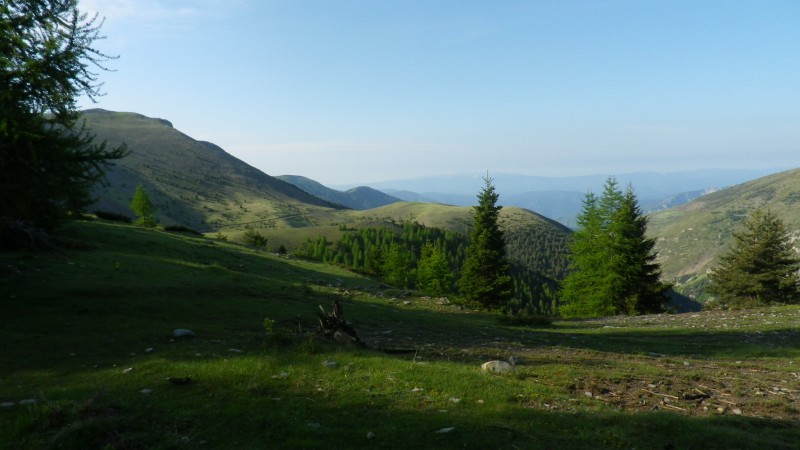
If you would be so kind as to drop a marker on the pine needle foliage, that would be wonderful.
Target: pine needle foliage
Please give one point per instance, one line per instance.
(761, 267)
(143, 207)
(612, 261)
(486, 274)
(48, 160)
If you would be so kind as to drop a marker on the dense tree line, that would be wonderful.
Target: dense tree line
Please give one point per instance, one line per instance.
(413, 256)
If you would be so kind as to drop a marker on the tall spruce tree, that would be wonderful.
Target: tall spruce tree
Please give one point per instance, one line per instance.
(48, 162)
(612, 261)
(485, 275)
(760, 268)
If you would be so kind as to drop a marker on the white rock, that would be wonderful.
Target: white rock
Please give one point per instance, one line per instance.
(370, 435)
(416, 389)
(146, 391)
(6, 405)
(497, 367)
(182, 332)
(234, 350)
(149, 350)
(445, 430)
(27, 401)
(330, 364)
(128, 370)
(455, 400)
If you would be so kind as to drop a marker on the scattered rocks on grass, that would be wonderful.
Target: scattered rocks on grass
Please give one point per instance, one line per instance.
(182, 332)
(330, 364)
(497, 367)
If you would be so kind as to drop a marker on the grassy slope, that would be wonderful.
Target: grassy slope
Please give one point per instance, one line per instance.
(193, 183)
(690, 237)
(78, 317)
(459, 218)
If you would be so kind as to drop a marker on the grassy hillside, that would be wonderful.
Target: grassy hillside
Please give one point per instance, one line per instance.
(193, 183)
(692, 236)
(88, 347)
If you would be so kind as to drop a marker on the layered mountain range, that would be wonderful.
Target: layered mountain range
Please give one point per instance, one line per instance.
(199, 185)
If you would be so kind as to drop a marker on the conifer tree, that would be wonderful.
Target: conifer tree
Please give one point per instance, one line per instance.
(760, 268)
(48, 161)
(612, 261)
(433, 270)
(485, 275)
(143, 207)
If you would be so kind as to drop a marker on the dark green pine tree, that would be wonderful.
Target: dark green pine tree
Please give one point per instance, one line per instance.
(485, 275)
(760, 268)
(637, 285)
(587, 289)
(48, 160)
(612, 261)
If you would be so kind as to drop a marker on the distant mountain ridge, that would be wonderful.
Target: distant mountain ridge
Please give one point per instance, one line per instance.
(561, 198)
(361, 197)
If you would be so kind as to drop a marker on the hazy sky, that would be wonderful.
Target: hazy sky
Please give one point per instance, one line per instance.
(357, 91)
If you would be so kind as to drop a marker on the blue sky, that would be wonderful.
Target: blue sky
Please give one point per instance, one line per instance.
(364, 90)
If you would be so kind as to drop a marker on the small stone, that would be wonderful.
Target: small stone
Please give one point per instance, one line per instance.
(736, 411)
(687, 363)
(445, 430)
(455, 400)
(497, 367)
(588, 394)
(27, 401)
(721, 410)
(480, 402)
(314, 425)
(6, 405)
(146, 391)
(149, 350)
(128, 370)
(370, 435)
(182, 332)
(330, 364)
(416, 389)
(235, 350)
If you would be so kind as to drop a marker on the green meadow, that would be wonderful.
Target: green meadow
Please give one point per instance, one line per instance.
(89, 360)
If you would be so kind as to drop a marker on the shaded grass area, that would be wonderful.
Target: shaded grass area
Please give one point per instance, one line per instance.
(81, 323)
